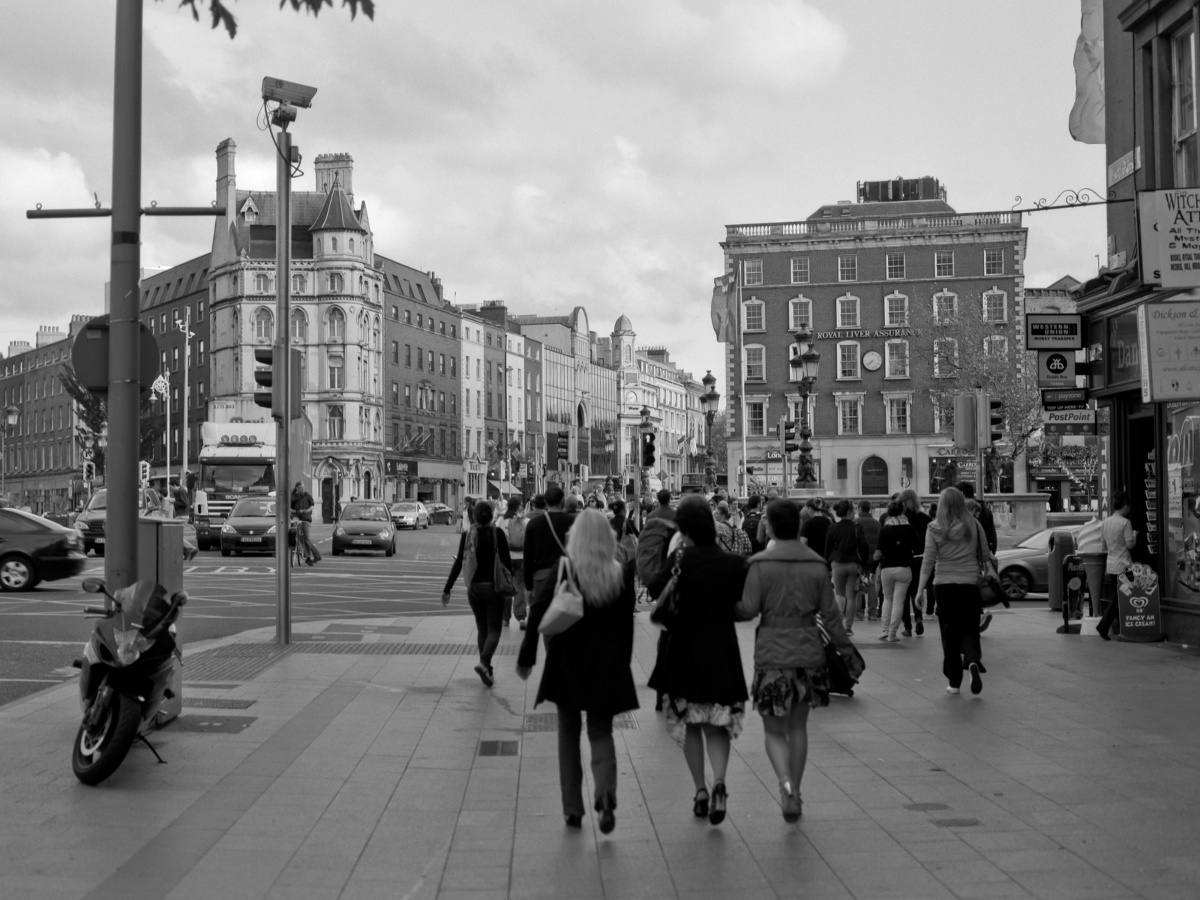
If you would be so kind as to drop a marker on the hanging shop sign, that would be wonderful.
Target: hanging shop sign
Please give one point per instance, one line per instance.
(1169, 343)
(1070, 421)
(1169, 232)
(1056, 368)
(1053, 332)
(1067, 395)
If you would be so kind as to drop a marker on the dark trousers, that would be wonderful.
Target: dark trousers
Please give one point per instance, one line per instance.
(1108, 596)
(912, 609)
(958, 618)
(515, 605)
(488, 607)
(570, 760)
(930, 598)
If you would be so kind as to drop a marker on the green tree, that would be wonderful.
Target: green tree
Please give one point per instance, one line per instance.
(221, 16)
(92, 412)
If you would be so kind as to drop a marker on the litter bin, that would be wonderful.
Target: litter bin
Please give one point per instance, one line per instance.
(160, 557)
(1062, 545)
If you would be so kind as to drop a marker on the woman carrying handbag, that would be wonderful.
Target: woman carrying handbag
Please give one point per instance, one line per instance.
(483, 552)
(588, 668)
(952, 544)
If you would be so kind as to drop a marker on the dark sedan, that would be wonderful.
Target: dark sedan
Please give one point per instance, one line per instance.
(1024, 569)
(365, 525)
(250, 527)
(33, 549)
(441, 514)
(92, 520)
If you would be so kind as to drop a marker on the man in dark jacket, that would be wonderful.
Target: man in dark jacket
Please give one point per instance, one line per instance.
(663, 510)
(751, 522)
(543, 549)
(869, 526)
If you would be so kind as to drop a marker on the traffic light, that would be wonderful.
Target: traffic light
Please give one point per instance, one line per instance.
(994, 411)
(647, 449)
(964, 422)
(270, 399)
(564, 445)
(789, 438)
(144, 473)
(89, 471)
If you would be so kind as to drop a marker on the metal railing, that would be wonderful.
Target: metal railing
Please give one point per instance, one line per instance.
(892, 223)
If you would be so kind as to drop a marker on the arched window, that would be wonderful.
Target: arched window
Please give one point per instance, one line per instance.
(337, 325)
(336, 283)
(874, 476)
(299, 326)
(351, 245)
(299, 284)
(335, 424)
(375, 335)
(262, 283)
(264, 322)
(333, 245)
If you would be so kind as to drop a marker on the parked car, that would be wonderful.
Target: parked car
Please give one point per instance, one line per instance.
(250, 527)
(92, 520)
(33, 549)
(365, 525)
(410, 514)
(441, 514)
(1024, 569)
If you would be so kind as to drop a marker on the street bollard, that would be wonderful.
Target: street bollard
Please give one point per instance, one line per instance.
(1062, 545)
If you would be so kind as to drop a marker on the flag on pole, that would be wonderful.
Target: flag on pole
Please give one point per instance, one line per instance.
(724, 308)
(1086, 122)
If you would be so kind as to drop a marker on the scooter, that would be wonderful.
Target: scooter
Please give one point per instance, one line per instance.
(125, 674)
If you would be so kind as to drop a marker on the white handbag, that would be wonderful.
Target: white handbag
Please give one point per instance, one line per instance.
(566, 606)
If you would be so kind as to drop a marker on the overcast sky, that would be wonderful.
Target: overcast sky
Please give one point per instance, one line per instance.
(549, 154)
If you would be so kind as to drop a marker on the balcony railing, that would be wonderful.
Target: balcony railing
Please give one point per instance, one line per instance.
(894, 223)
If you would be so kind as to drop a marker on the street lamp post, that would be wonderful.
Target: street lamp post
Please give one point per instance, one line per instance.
(10, 419)
(709, 401)
(644, 427)
(804, 365)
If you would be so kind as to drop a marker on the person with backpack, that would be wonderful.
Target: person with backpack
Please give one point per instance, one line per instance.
(751, 521)
(478, 550)
(731, 538)
(513, 523)
(626, 534)
(545, 538)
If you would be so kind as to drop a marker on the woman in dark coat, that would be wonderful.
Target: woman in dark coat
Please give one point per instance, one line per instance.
(478, 548)
(701, 673)
(587, 668)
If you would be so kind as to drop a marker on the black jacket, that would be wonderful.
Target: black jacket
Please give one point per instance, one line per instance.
(897, 544)
(489, 541)
(542, 551)
(845, 543)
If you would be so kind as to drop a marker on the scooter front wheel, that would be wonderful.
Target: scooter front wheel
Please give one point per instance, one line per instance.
(99, 750)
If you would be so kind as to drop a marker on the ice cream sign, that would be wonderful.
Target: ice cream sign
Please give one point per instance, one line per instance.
(1169, 341)
(1139, 610)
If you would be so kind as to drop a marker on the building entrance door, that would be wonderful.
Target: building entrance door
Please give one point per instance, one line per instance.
(874, 476)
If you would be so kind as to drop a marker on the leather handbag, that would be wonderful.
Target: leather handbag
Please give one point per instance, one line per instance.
(666, 607)
(503, 582)
(991, 591)
(566, 606)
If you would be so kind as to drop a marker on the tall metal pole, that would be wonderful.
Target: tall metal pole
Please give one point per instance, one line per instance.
(167, 433)
(282, 375)
(187, 355)
(120, 558)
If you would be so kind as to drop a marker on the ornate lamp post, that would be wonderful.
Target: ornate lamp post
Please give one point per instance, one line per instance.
(804, 365)
(644, 427)
(11, 413)
(709, 402)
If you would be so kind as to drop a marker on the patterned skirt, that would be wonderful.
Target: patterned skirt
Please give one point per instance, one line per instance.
(775, 691)
(680, 714)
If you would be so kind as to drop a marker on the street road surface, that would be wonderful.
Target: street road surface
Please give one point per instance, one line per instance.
(43, 630)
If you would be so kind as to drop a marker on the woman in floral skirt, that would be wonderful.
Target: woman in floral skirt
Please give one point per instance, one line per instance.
(701, 674)
(789, 585)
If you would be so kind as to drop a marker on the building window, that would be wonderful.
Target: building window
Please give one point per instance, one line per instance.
(848, 268)
(943, 264)
(993, 262)
(336, 282)
(895, 311)
(895, 266)
(756, 362)
(263, 325)
(420, 321)
(200, 355)
(755, 320)
(756, 419)
(799, 313)
(995, 306)
(896, 355)
(847, 312)
(174, 359)
(453, 366)
(945, 307)
(996, 345)
(408, 317)
(441, 401)
(945, 358)
(299, 284)
(430, 359)
(336, 424)
(408, 396)
(395, 393)
(753, 270)
(897, 415)
(848, 361)
(420, 360)
(337, 325)
(800, 270)
(1183, 107)
(337, 378)
(395, 353)
(849, 420)
(442, 363)
(262, 284)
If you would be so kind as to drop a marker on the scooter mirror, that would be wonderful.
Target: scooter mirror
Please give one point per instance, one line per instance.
(93, 585)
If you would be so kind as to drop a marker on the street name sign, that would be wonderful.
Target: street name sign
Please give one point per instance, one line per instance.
(1045, 331)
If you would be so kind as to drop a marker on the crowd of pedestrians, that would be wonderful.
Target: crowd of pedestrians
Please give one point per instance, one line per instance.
(807, 572)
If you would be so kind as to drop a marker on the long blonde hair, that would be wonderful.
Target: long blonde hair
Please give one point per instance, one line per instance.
(952, 516)
(592, 549)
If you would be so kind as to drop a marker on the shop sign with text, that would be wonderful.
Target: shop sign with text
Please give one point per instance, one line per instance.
(1169, 344)
(1169, 229)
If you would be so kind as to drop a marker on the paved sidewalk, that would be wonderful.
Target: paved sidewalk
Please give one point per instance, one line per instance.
(367, 761)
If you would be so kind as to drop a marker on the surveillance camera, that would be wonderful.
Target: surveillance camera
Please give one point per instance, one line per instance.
(288, 92)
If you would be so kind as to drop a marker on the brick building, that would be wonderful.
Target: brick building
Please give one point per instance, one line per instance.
(863, 276)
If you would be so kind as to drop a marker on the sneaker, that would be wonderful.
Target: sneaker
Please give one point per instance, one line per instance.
(485, 675)
(892, 639)
(976, 681)
(950, 689)
(908, 632)
(920, 626)
(987, 620)
(884, 636)
(521, 624)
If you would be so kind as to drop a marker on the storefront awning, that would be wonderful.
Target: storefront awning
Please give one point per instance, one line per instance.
(505, 488)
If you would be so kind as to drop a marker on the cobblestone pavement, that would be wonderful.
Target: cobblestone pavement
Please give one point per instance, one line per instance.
(366, 760)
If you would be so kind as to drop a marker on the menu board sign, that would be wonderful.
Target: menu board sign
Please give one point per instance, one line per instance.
(1139, 604)
(1169, 343)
